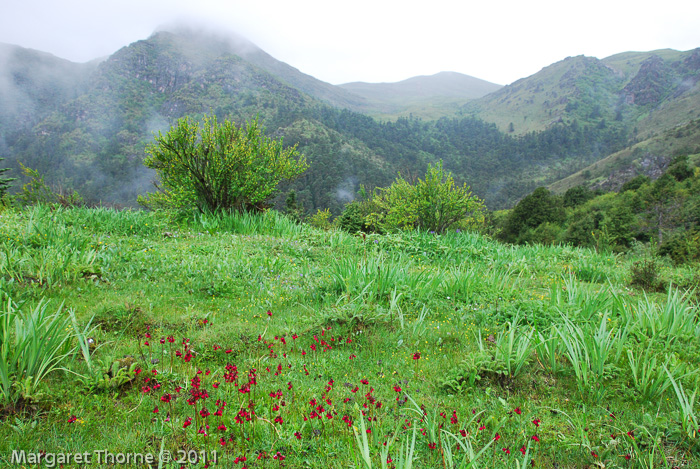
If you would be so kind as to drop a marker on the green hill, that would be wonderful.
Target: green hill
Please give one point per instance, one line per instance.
(643, 90)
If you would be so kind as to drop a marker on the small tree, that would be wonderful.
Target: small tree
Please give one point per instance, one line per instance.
(219, 167)
(435, 203)
(4, 182)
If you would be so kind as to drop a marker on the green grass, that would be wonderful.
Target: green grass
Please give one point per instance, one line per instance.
(454, 350)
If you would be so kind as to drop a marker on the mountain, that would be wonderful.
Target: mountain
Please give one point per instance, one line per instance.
(644, 90)
(34, 84)
(423, 96)
(86, 126)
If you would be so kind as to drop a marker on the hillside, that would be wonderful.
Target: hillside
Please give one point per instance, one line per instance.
(87, 126)
(647, 91)
(33, 84)
(231, 337)
(649, 157)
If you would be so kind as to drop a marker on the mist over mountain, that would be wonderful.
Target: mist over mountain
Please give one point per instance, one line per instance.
(85, 126)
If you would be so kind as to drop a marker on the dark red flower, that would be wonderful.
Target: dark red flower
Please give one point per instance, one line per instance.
(72, 419)
(416, 356)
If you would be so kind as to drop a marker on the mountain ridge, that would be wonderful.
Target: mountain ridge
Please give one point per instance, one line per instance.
(91, 133)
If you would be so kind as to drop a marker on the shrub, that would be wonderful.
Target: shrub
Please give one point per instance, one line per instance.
(219, 167)
(435, 203)
(645, 275)
(352, 219)
(321, 219)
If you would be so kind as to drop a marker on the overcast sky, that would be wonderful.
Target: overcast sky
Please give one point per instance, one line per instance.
(371, 40)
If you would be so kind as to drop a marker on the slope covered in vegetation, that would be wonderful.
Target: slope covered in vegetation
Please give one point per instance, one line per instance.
(260, 342)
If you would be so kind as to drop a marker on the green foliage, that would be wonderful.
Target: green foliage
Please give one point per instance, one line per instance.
(33, 343)
(533, 210)
(353, 217)
(635, 183)
(682, 247)
(577, 195)
(4, 181)
(37, 191)
(465, 348)
(292, 208)
(321, 219)
(645, 275)
(434, 204)
(219, 167)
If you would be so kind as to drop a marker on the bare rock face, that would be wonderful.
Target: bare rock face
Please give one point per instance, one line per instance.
(650, 165)
(650, 84)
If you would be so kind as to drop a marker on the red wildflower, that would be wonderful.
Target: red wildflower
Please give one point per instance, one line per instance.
(518, 411)
(536, 438)
(506, 450)
(72, 419)
(416, 356)
(537, 422)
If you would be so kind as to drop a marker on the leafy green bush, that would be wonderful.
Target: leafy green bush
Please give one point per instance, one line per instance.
(682, 247)
(352, 219)
(435, 203)
(219, 167)
(321, 219)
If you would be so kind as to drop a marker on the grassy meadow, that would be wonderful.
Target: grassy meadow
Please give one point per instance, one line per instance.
(251, 341)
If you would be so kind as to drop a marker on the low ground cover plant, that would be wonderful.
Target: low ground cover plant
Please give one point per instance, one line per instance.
(254, 341)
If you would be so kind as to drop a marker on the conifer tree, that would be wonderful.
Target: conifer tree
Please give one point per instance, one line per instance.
(4, 181)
